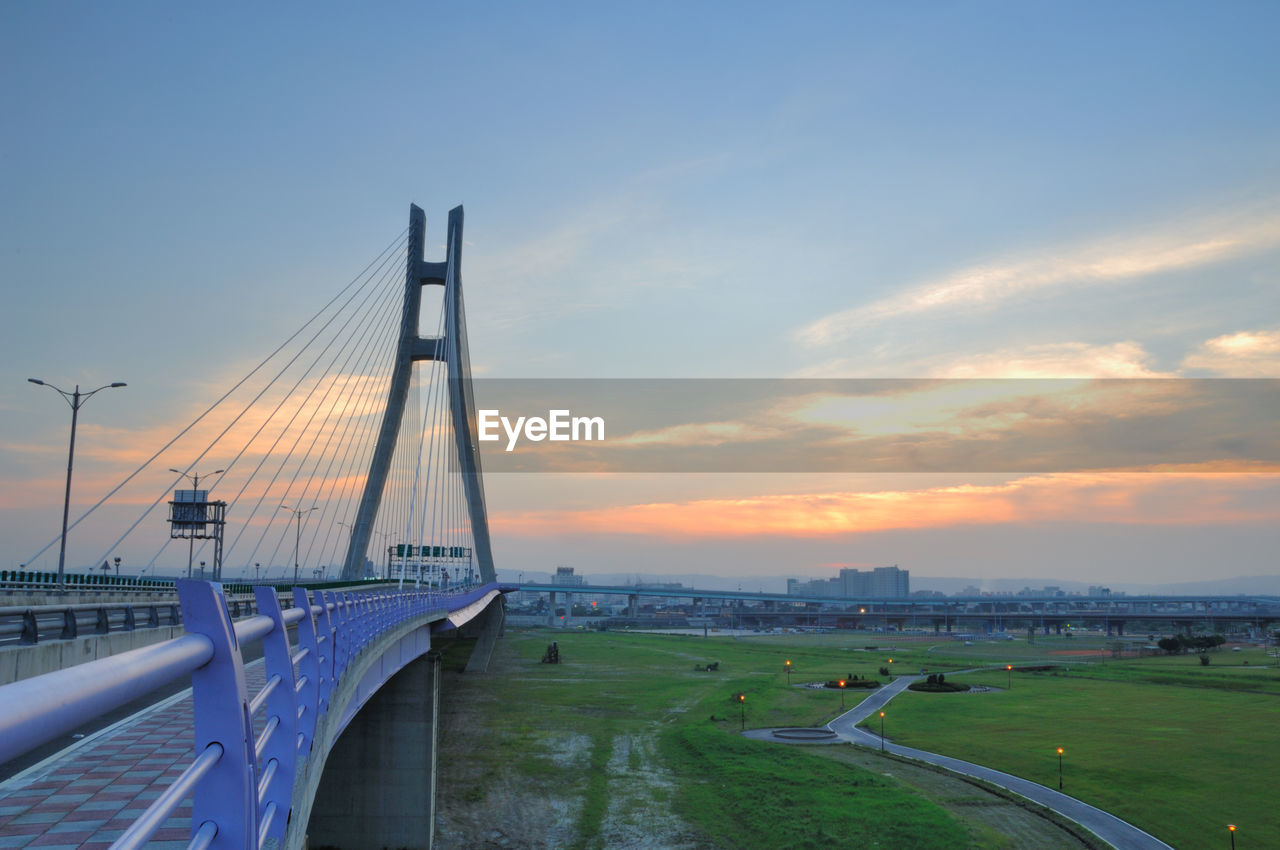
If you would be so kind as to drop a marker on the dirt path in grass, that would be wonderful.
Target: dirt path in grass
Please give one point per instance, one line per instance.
(481, 806)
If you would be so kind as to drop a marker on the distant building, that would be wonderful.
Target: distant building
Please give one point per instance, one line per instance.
(880, 583)
(564, 575)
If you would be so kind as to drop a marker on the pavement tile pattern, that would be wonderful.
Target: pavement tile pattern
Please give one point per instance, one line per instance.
(87, 795)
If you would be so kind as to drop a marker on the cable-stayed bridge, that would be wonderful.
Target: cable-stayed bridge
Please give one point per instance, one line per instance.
(347, 453)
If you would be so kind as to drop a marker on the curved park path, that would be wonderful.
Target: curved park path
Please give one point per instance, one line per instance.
(1119, 834)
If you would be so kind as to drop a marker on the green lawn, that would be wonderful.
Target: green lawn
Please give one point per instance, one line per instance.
(1174, 747)
(614, 687)
(1180, 762)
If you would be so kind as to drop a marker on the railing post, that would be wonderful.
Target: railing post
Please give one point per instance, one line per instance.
(69, 624)
(341, 636)
(282, 707)
(324, 639)
(226, 796)
(30, 627)
(308, 674)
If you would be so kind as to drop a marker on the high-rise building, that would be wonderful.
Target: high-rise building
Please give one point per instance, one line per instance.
(880, 582)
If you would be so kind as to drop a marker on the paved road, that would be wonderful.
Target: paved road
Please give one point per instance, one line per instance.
(1119, 834)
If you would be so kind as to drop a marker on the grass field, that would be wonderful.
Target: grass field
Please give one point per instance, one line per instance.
(625, 707)
(626, 730)
(1177, 748)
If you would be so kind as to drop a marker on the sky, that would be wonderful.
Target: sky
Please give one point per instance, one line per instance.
(661, 190)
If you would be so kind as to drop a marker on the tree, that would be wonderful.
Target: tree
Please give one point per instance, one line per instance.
(1171, 645)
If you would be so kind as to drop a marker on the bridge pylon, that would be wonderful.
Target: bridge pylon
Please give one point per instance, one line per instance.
(450, 348)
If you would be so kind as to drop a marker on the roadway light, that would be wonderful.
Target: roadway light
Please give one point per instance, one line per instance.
(882, 731)
(297, 541)
(1059, 768)
(75, 399)
(842, 694)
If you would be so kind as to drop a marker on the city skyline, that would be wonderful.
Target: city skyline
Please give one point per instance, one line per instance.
(1079, 191)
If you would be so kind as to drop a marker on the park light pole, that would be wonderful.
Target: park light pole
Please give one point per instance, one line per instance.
(842, 694)
(787, 664)
(75, 399)
(195, 485)
(297, 540)
(1231, 830)
(882, 731)
(742, 712)
(1059, 768)
(1009, 671)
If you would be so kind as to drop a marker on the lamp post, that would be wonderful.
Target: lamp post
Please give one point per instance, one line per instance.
(297, 540)
(1059, 768)
(882, 731)
(742, 712)
(117, 560)
(787, 664)
(256, 568)
(195, 485)
(842, 694)
(1009, 671)
(1231, 830)
(75, 399)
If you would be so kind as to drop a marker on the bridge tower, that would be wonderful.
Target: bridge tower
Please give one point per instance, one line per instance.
(451, 348)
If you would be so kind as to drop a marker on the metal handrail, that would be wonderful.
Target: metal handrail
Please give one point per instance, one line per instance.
(140, 832)
(44, 707)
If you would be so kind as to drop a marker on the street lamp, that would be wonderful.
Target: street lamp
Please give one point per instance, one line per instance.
(117, 559)
(195, 485)
(256, 568)
(297, 541)
(1231, 830)
(75, 399)
(788, 666)
(1009, 671)
(742, 712)
(842, 694)
(882, 731)
(1059, 768)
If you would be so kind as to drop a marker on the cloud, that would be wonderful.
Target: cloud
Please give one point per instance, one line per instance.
(1087, 264)
(1244, 354)
(1126, 359)
(1119, 497)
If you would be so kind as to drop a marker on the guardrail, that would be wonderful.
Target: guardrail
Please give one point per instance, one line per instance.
(241, 783)
(46, 582)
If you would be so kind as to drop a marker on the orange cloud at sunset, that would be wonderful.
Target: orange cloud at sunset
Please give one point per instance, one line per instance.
(1125, 497)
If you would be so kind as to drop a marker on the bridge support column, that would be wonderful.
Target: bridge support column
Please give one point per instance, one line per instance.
(379, 783)
(633, 605)
(551, 609)
(488, 628)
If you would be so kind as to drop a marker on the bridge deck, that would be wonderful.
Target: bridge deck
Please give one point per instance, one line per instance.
(88, 794)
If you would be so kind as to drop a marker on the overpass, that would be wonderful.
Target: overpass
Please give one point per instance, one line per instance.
(941, 612)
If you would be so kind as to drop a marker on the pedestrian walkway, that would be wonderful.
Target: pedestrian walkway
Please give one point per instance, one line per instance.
(1116, 832)
(87, 795)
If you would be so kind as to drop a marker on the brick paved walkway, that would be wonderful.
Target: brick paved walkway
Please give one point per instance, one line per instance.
(87, 795)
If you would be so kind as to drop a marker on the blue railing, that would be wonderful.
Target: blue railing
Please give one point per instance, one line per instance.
(247, 747)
